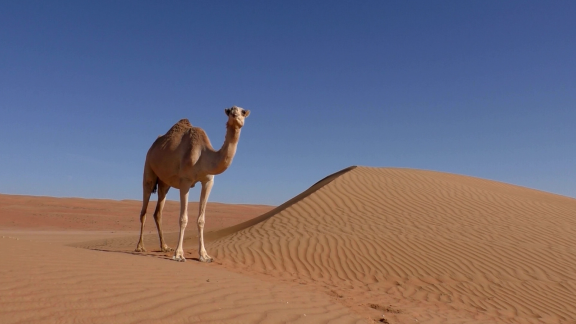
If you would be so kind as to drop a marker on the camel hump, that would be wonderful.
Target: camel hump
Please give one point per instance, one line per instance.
(180, 126)
(184, 122)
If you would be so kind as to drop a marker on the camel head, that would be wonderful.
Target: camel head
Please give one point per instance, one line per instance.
(236, 116)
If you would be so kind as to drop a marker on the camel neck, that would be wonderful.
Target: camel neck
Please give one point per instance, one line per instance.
(232, 135)
(228, 149)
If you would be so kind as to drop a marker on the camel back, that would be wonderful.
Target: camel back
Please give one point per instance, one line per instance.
(184, 128)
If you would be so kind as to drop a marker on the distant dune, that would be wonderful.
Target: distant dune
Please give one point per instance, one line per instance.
(50, 213)
(364, 244)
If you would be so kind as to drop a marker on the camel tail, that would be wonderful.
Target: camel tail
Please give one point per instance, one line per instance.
(155, 186)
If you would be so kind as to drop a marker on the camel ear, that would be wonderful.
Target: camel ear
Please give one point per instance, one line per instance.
(227, 111)
(245, 113)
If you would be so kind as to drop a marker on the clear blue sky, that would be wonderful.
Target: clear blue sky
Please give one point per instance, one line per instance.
(481, 88)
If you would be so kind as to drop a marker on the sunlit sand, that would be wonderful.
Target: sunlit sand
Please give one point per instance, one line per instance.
(362, 245)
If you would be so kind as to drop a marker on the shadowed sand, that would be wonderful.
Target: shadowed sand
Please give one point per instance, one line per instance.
(364, 244)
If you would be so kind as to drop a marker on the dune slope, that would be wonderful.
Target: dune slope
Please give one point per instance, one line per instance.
(440, 247)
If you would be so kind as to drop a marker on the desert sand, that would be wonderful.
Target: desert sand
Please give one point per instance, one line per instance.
(362, 245)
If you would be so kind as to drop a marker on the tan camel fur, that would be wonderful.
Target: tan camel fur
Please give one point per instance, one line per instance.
(181, 158)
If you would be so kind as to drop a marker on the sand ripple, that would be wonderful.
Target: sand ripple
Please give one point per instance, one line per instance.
(434, 243)
(51, 283)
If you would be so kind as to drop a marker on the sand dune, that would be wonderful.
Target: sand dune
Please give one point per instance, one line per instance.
(439, 246)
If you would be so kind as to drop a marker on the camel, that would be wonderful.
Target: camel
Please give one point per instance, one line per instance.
(181, 158)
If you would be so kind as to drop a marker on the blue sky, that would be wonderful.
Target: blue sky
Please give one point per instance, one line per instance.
(480, 88)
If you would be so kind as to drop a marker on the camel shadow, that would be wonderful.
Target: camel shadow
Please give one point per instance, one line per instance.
(158, 254)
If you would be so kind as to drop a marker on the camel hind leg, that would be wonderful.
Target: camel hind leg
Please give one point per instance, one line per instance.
(149, 184)
(162, 191)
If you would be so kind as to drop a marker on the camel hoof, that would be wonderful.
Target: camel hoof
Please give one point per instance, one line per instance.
(207, 260)
(179, 258)
(167, 249)
(140, 249)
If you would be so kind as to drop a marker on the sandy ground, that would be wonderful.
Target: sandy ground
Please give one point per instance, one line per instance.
(363, 245)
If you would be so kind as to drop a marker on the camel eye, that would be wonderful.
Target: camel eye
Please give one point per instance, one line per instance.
(243, 112)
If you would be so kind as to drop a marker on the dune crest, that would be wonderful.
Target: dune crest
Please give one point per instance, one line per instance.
(444, 246)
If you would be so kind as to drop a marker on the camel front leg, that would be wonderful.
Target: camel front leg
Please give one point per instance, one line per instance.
(179, 253)
(206, 188)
